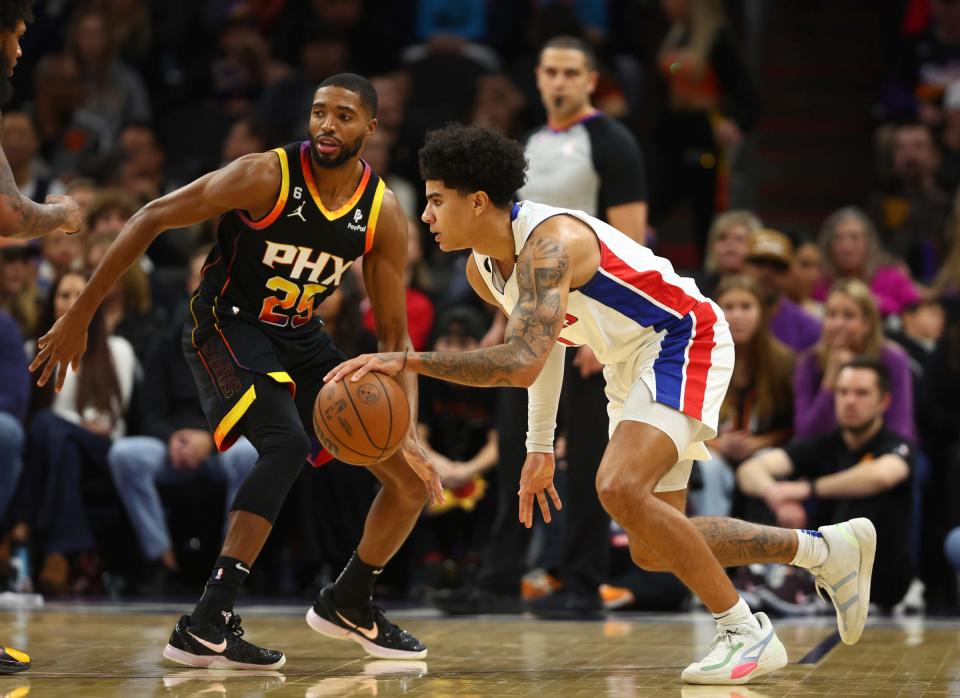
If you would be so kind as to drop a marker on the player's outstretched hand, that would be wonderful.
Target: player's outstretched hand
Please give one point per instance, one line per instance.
(536, 480)
(60, 348)
(389, 364)
(74, 218)
(418, 459)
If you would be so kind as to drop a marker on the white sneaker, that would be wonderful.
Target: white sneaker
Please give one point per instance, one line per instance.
(739, 654)
(846, 573)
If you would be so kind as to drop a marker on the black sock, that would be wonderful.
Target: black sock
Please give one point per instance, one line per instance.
(354, 586)
(221, 591)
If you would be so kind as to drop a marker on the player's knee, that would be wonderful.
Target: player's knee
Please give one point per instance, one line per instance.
(286, 448)
(614, 491)
(402, 483)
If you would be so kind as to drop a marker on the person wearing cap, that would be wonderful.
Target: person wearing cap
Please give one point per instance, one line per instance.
(769, 255)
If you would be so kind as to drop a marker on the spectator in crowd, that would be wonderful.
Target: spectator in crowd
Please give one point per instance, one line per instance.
(911, 211)
(68, 437)
(456, 427)
(727, 245)
(852, 250)
(60, 253)
(249, 134)
(859, 468)
(175, 446)
(324, 52)
(377, 153)
(18, 288)
(769, 256)
(141, 168)
(14, 393)
(710, 104)
(851, 328)
(920, 329)
(806, 272)
(113, 92)
(72, 136)
(21, 144)
(924, 66)
(757, 410)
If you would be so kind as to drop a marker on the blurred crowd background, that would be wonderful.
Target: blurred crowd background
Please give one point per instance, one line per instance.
(802, 163)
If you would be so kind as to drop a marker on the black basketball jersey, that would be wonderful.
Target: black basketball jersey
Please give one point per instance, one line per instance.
(276, 269)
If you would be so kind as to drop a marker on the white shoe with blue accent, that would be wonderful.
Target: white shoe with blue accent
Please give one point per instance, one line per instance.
(739, 654)
(846, 573)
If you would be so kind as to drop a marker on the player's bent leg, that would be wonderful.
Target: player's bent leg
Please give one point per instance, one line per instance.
(344, 610)
(210, 637)
(638, 456)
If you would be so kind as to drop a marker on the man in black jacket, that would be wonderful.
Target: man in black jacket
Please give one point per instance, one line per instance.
(176, 445)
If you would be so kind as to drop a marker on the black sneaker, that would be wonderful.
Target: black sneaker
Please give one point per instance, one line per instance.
(210, 646)
(368, 627)
(13, 661)
(471, 601)
(566, 605)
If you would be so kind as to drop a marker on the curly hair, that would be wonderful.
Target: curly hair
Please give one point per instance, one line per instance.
(473, 158)
(12, 11)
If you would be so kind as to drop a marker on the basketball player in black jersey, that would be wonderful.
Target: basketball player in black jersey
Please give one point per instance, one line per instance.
(292, 221)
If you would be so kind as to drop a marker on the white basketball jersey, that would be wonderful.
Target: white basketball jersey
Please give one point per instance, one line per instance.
(635, 312)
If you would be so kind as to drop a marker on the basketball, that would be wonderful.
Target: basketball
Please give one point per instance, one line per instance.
(361, 422)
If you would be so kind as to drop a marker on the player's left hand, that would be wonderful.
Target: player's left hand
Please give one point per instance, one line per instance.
(536, 480)
(421, 464)
(389, 364)
(60, 348)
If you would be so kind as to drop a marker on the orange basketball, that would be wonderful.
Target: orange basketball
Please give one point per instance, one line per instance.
(361, 422)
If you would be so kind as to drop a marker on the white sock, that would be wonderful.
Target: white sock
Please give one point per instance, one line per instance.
(812, 549)
(738, 614)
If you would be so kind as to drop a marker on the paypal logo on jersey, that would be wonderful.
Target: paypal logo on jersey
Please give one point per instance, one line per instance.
(357, 215)
(300, 259)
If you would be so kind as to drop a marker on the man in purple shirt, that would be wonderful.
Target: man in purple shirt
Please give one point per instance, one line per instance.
(769, 254)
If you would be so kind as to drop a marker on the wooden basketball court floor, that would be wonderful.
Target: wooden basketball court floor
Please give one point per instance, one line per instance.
(99, 650)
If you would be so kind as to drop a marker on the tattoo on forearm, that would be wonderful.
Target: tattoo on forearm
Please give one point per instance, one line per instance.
(531, 330)
(34, 217)
(734, 542)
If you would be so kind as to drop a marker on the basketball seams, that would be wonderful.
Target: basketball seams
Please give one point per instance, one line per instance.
(330, 435)
(360, 421)
(386, 394)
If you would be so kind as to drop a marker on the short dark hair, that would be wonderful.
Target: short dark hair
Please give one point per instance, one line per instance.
(12, 11)
(357, 84)
(875, 365)
(473, 158)
(575, 43)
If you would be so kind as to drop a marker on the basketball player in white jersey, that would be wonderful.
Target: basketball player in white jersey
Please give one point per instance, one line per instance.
(565, 278)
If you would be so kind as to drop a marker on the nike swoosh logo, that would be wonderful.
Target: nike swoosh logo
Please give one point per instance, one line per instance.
(242, 568)
(369, 633)
(209, 645)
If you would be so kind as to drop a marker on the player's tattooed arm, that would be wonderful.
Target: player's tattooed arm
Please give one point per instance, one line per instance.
(25, 219)
(543, 281)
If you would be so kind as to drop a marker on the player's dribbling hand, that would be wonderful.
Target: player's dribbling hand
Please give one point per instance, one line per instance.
(74, 219)
(421, 464)
(536, 480)
(389, 364)
(60, 348)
